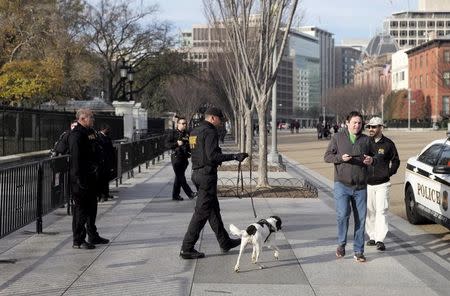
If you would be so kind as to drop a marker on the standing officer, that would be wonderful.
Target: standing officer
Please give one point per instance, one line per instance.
(178, 141)
(206, 157)
(379, 185)
(84, 170)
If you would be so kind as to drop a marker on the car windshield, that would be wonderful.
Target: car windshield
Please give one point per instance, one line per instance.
(431, 155)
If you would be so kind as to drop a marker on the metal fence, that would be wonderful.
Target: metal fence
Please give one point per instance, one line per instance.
(29, 191)
(32, 190)
(26, 130)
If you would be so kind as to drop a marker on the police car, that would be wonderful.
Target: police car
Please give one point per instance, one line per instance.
(427, 184)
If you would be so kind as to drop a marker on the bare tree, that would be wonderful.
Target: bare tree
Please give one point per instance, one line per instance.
(185, 95)
(115, 31)
(257, 42)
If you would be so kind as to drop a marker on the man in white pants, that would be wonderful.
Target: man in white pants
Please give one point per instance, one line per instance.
(379, 185)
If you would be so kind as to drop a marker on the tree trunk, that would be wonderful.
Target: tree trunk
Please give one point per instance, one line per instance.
(242, 134)
(262, 148)
(249, 132)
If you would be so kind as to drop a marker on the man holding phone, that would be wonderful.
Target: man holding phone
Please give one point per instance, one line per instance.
(351, 153)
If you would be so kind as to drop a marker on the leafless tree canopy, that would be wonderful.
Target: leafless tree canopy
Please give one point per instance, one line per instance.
(116, 32)
(256, 34)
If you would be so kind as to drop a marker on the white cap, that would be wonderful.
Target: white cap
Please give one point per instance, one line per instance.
(375, 121)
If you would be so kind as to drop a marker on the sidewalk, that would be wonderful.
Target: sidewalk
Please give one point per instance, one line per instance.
(146, 229)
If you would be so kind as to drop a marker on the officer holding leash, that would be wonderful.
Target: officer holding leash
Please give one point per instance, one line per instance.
(206, 157)
(178, 142)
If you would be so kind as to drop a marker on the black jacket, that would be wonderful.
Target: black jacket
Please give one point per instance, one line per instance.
(354, 172)
(179, 153)
(85, 158)
(206, 153)
(387, 161)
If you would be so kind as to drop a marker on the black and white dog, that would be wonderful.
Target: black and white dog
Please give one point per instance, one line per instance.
(258, 234)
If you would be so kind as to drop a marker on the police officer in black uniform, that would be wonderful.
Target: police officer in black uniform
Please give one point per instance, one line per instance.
(178, 142)
(84, 170)
(206, 157)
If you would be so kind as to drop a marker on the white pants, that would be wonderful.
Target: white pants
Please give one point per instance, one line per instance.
(377, 209)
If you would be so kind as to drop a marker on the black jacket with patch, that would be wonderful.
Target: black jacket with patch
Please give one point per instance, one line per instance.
(387, 164)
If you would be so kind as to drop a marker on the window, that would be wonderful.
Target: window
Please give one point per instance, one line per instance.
(430, 156)
(445, 105)
(446, 78)
(426, 81)
(420, 82)
(402, 75)
(420, 60)
(444, 159)
(447, 56)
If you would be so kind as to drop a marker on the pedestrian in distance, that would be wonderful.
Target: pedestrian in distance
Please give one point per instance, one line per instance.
(108, 162)
(351, 153)
(178, 142)
(84, 177)
(379, 185)
(206, 157)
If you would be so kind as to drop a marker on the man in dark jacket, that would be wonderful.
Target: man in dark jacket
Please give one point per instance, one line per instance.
(379, 184)
(61, 146)
(351, 153)
(206, 157)
(84, 170)
(178, 142)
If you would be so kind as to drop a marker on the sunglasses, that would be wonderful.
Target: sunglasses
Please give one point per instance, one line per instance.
(372, 126)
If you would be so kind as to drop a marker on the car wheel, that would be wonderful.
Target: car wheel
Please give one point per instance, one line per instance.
(411, 208)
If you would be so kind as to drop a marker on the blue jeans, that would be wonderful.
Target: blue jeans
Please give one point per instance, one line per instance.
(345, 196)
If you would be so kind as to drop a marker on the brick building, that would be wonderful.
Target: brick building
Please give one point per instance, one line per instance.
(429, 71)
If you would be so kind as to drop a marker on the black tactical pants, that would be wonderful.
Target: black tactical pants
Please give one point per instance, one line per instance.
(206, 209)
(84, 215)
(179, 167)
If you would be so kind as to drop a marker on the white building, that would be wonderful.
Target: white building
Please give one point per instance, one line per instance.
(411, 28)
(399, 77)
(434, 5)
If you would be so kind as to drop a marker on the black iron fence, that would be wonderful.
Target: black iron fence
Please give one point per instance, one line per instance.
(26, 130)
(32, 190)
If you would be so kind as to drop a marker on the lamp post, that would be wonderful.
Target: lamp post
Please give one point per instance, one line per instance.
(130, 76)
(123, 77)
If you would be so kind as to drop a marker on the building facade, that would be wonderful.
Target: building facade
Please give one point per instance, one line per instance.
(400, 73)
(345, 60)
(375, 67)
(304, 51)
(429, 71)
(412, 28)
(326, 44)
(434, 5)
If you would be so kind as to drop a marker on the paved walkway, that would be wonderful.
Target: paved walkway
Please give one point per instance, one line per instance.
(146, 229)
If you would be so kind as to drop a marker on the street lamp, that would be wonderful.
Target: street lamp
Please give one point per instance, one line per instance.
(123, 77)
(130, 77)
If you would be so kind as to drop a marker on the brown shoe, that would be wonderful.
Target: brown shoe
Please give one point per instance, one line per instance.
(340, 251)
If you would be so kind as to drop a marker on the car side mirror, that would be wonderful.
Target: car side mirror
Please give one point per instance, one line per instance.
(441, 169)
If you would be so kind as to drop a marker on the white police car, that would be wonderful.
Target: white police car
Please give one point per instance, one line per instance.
(427, 184)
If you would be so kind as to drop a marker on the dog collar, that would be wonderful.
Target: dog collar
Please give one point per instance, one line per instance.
(263, 222)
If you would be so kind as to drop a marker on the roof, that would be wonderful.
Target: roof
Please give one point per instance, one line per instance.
(440, 40)
(381, 44)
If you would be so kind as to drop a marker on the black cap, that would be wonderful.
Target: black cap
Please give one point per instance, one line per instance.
(215, 112)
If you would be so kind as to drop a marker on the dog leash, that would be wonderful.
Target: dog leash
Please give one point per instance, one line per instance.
(241, 180)
(250, 184)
